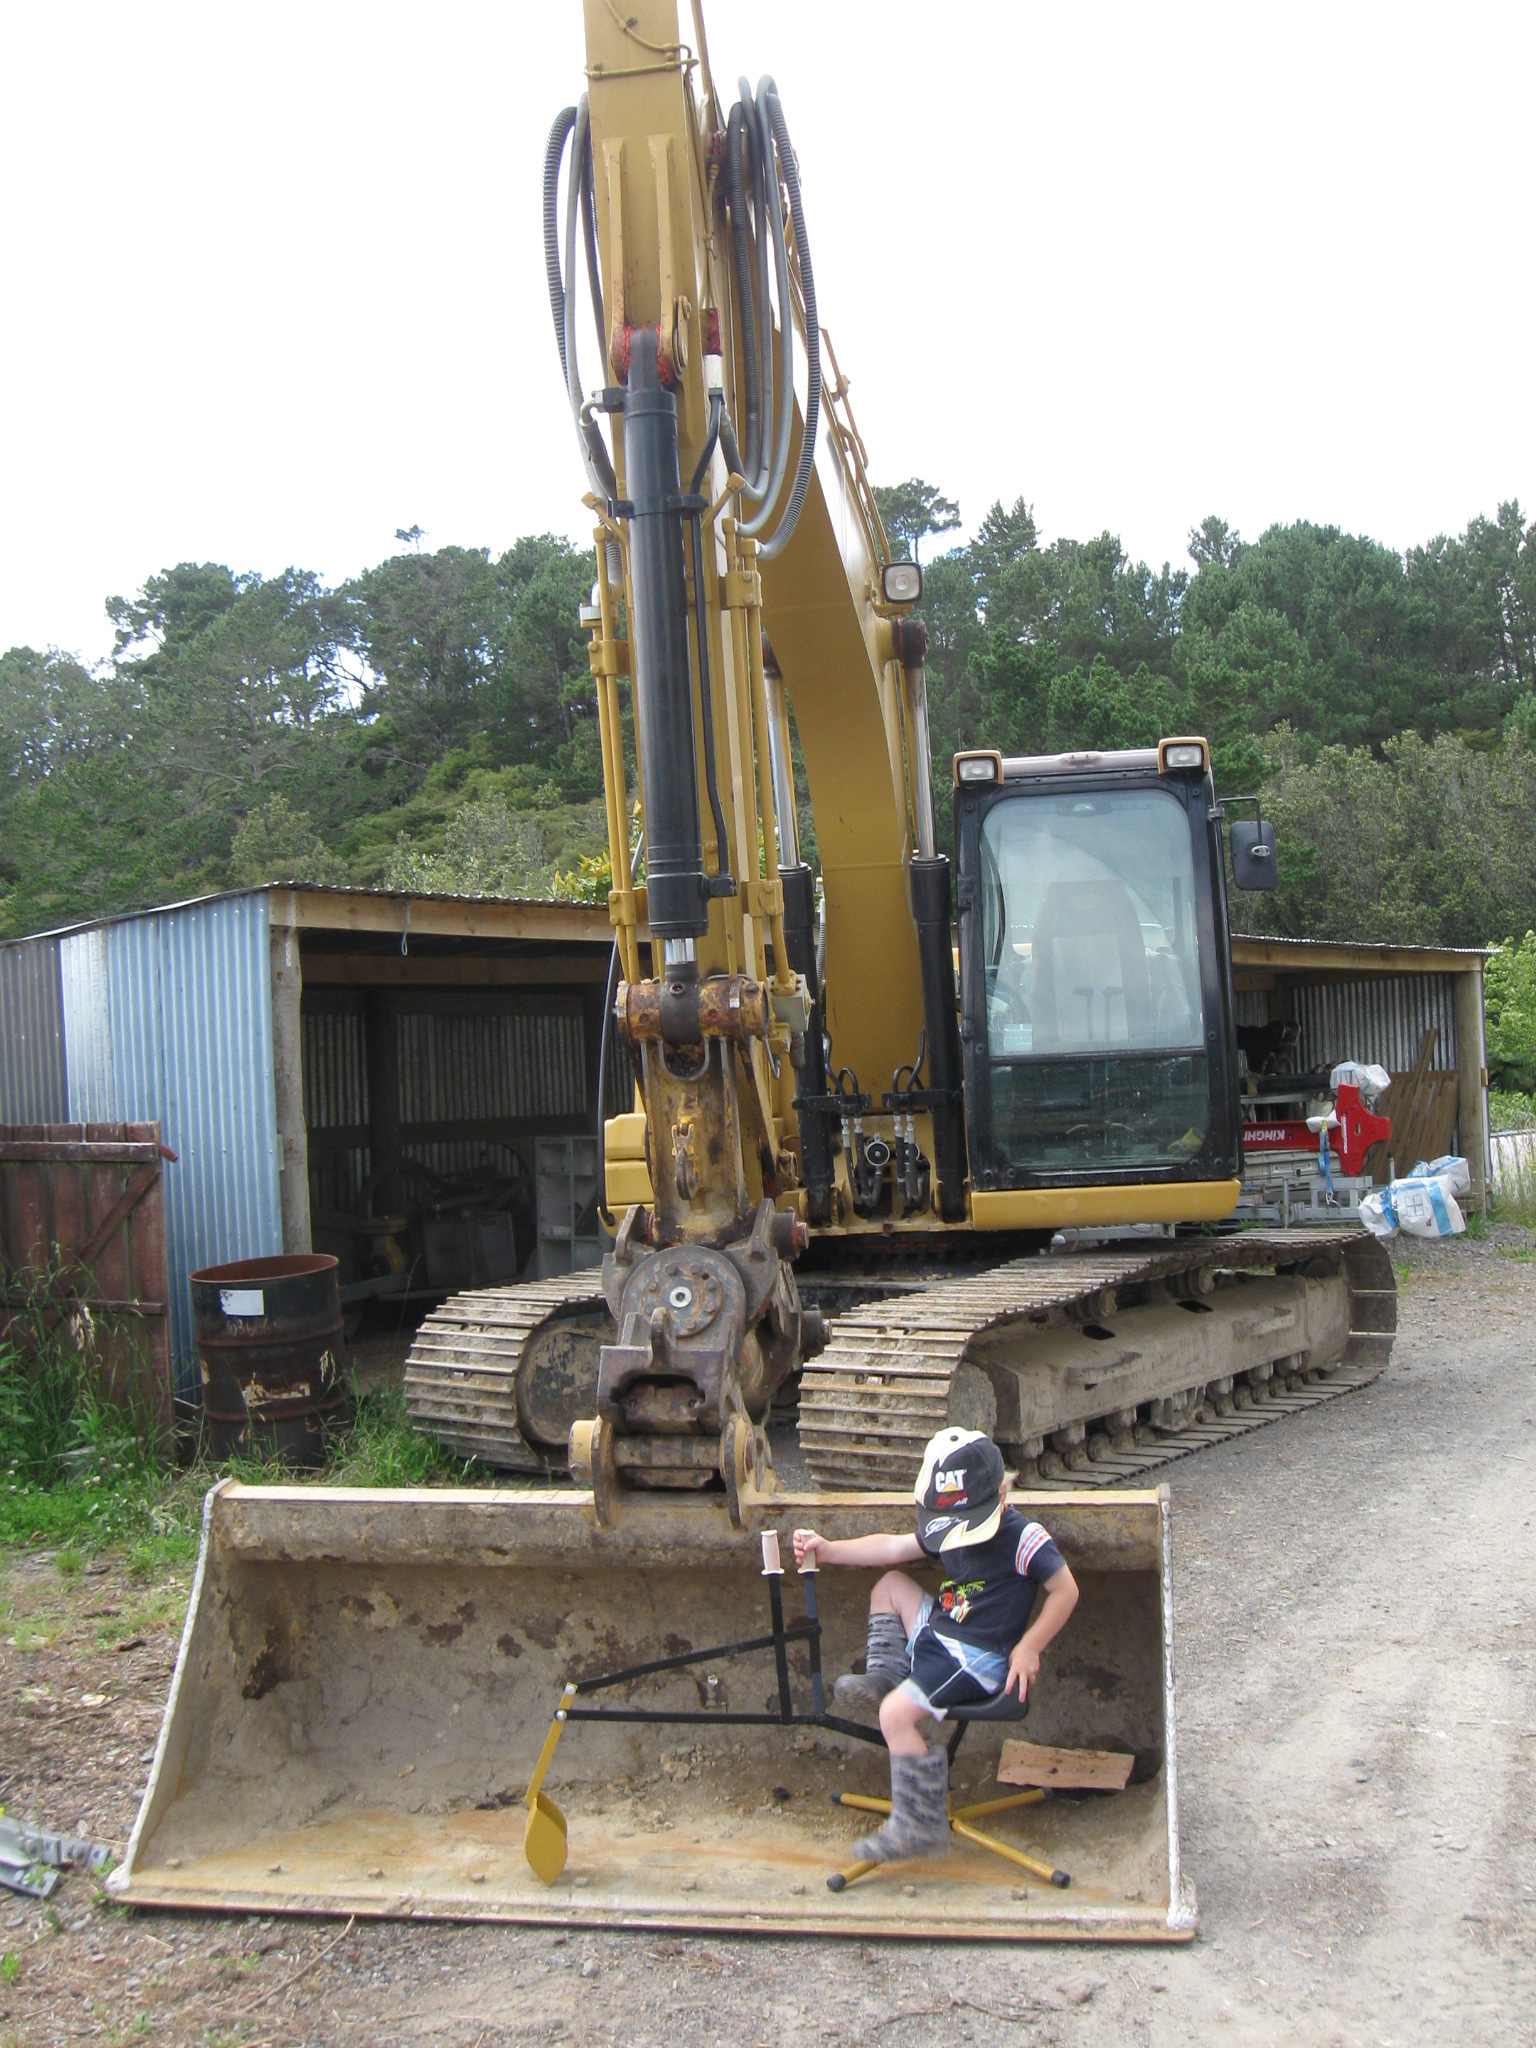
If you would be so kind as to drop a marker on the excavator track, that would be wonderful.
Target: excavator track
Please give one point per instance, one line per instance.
(461, 1377)
(899, 1369)
(499, 1374)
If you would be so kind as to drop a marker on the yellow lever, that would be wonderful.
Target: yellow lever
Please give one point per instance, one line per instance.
(544, 1839)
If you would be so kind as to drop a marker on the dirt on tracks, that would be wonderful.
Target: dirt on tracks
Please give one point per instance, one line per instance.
(1356, 1639)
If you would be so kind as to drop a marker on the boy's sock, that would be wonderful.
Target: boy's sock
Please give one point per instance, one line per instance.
(886, 1664)
(919, 1822)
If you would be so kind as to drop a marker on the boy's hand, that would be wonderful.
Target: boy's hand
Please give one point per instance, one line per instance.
(809, 1545)
(1023, 1670)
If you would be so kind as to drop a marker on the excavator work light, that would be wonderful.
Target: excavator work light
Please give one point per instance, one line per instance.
(978, 767)
(901, 583)
(1181, 754)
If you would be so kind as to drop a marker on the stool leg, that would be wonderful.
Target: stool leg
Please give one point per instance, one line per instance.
(840, 1880)
(1031, 1864)
(861, 1802)
(986, 1806)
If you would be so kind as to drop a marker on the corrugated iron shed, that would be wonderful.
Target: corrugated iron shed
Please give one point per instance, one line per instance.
(168, 1018)
(33, 1086)
(251, 1026)
(1375, 1004)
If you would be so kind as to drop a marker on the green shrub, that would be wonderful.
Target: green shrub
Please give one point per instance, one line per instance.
(1510, 1111)
(1509, 997)
(57, 1422)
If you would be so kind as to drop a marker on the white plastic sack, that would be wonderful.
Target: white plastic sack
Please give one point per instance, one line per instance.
(1371, 1081)
(1420, 1207)
(1449, 1169)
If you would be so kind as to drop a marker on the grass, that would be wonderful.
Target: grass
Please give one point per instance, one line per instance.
(80, 1475)
(10, 1967)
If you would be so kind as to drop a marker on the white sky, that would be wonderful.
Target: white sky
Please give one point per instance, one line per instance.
(272, 281)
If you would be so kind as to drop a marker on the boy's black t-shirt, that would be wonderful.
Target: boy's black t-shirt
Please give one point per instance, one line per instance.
(988, 1599)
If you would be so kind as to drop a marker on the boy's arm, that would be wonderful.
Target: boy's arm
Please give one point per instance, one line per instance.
(1060, 1599)
(856, 1549)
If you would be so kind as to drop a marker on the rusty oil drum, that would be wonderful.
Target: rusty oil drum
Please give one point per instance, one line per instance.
(269, 1346)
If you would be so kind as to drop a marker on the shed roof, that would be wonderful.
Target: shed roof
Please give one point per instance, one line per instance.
(1346, 956)
(309, 907)
(376, 920)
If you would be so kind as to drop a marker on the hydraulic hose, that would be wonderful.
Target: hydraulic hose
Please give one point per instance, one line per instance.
(554, 151)
(614, 962)
(787, 524)
(758, 154)
(572, 123)
(741, 264)
(777, 419)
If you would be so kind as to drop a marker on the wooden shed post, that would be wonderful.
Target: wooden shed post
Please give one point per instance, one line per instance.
(288, 1082)
(1472, 1080)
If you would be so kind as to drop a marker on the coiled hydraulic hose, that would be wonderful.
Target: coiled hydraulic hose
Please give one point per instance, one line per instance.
(768, 92)
(562, 277)
(759, 156)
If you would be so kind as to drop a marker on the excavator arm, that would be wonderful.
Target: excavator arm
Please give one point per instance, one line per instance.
(743, 578)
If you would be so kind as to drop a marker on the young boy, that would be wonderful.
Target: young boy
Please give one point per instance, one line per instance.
(971, 1643)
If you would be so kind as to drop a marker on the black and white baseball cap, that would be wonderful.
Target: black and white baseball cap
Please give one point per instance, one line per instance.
(959, 1490)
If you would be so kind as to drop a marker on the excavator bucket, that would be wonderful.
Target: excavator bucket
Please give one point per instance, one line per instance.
(427, 1705)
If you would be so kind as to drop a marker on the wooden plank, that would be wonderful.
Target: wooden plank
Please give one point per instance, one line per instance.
(1307, 956)
(1062, 1770)
(128, 1200)
(77, 1151)
(366, 910)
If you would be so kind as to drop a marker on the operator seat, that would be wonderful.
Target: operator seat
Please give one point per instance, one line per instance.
(1084, 932)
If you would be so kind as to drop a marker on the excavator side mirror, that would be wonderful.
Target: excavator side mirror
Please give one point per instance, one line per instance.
(1253, 854)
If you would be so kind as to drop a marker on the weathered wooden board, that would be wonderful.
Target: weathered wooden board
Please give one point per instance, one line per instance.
(1063, 1770)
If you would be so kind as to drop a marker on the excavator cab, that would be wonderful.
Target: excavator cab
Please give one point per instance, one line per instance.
(1095, 982)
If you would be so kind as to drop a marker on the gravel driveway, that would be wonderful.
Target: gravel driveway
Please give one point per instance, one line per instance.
(1356, 1615)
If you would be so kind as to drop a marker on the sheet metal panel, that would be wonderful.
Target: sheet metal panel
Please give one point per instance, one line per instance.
(34, 1088)
(168, 1018)
(619, 1078)
(1381, 1022)
(217, 1064)
(335, 1069)
(88, 1060)
(469, 1068)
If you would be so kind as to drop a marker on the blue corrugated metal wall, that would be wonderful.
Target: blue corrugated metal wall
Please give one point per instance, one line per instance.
(33, 1089)
(170, 1017)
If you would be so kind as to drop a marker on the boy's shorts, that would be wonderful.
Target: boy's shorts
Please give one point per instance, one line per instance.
(946, 1672)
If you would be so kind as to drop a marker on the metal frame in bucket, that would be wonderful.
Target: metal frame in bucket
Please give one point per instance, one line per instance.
(365, 1679)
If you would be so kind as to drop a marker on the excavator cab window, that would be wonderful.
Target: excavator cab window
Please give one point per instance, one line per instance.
(1095, 983)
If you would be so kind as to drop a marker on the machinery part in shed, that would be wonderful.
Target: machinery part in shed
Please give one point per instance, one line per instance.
(364, 1679)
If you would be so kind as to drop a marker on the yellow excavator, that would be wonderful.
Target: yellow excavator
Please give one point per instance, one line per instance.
(869, 1138)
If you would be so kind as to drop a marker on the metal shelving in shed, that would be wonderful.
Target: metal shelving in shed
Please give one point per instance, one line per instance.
(570, 1234)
